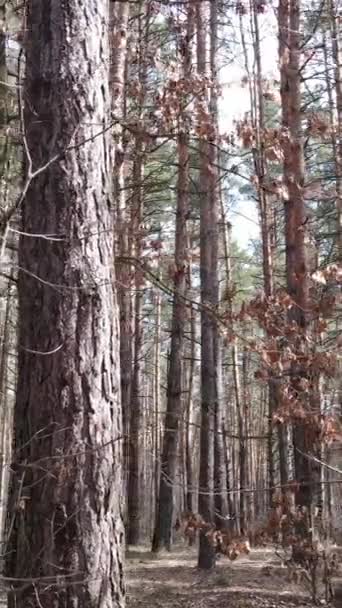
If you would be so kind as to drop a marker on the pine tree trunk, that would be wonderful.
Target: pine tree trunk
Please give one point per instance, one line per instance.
(156, 407)
(6, 409)
(136, 414)
(134, 498)
(220, 482)
(188, 451)
(175, 380)
(226, 238)
(267, 230)
(209, 296)
(336, 43)
(65, 521)
(297, 276)
(174, 405)
(331, 490)
(118, 28)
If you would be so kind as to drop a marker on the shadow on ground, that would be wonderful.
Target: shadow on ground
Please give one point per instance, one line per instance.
(173, 580)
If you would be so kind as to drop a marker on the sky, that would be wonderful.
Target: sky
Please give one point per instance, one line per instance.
(234, 103)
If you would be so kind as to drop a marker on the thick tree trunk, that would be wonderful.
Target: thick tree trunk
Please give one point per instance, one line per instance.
(65, 521)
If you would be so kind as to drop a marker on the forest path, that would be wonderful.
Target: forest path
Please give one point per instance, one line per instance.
(172, 580)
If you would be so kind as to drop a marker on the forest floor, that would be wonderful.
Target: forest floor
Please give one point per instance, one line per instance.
(172, 580)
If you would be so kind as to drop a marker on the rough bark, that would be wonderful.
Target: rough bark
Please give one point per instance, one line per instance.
(65, 535)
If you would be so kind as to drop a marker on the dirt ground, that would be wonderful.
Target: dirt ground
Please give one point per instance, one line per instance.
(173, 581)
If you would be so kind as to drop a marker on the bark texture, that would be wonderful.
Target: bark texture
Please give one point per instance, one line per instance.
(65, 521)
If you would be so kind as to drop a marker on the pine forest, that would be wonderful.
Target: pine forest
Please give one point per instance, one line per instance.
(170, 303)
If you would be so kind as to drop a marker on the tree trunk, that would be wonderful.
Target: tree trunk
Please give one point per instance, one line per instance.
(336, 43)
(156, 407)
(331, 490)
(136, 415)
(267, 233)
(118, 27)
(162, 534)
(65, 522)
(175, 381)
(188, 452)
(297, 275)
(220, 482)
(134, 498)
(209, 297)
(6, 407)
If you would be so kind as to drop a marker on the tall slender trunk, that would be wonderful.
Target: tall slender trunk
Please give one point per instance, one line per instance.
(336, 44)
(266, 215)
(220, 482)
(6, 409)
(209, 297)
(134, 498)
(189, 407)
(65, 533)
(297, 277)
(244, 465)
(136, 414)
(162, 535)
(156, 406)
(331, 490)
(175, 382)
(236, 373)
(118, 28)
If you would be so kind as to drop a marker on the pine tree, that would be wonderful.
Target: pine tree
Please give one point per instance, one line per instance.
(65, 522)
